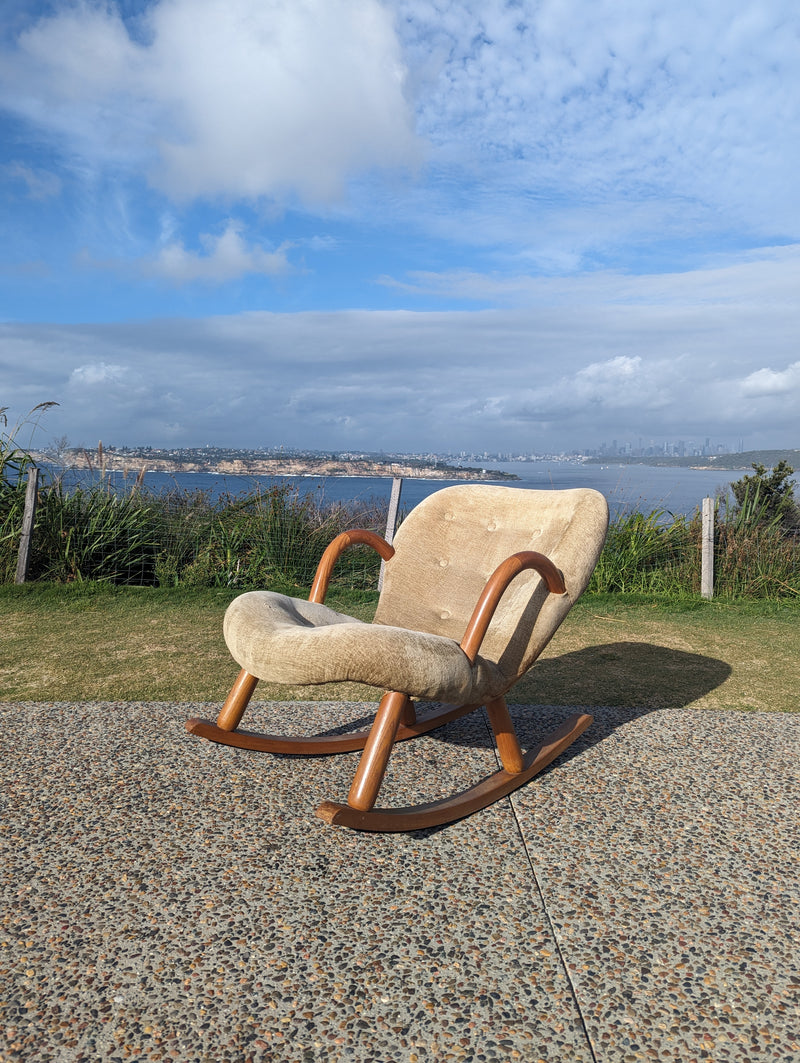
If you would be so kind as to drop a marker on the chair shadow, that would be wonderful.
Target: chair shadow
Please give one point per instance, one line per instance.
(622, 680)
(641, 676)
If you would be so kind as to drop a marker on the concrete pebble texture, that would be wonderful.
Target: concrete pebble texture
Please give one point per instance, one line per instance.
(165, 898)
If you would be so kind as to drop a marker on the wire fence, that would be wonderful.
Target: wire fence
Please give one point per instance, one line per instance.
(275, 537)
(182, 538)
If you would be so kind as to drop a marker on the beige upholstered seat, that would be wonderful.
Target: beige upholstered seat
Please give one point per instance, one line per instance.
(465, 557)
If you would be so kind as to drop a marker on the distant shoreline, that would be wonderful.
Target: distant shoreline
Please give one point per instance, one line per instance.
(307, 465)
(133, 465)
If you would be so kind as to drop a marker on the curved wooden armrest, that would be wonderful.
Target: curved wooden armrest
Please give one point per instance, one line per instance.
(319, 587)
(496, 587)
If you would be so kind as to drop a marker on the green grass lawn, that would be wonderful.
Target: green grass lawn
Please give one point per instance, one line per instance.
(97, 643)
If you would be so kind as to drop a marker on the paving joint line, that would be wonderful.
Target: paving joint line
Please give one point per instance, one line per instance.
(572, 989)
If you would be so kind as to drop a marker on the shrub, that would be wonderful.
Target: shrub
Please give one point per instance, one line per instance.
(768, 498)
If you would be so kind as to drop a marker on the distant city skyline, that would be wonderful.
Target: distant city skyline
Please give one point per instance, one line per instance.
(414, 224)
(677, 448)
(63, 448)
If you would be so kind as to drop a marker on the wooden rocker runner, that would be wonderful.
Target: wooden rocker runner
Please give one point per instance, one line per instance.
(476, 584)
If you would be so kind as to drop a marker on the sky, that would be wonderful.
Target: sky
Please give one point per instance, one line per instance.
(404, 225)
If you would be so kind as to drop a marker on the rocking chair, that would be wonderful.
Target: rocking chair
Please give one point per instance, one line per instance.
(467, 606)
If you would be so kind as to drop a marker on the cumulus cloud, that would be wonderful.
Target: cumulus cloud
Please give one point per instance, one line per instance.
(235, 98)
(774, 382)
(98, 375)
(225, 258)
(624, 387)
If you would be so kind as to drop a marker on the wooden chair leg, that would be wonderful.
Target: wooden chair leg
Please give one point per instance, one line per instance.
(237, 701)
(508, 747)
(409, 714)
(372, 766)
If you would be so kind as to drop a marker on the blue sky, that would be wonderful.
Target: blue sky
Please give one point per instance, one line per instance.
(407, 225)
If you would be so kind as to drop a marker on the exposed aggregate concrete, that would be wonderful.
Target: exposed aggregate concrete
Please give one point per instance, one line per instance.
(165, 898)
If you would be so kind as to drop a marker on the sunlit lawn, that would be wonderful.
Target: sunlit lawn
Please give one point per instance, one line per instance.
(94, 643)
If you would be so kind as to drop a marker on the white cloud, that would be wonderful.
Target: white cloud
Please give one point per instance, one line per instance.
(625, 388)
(762, 276)
(775, 382)
(236, 98)
(97, 373)
(545, 376)
(92, 378)
(609, 381)
(540, 77)
(641, 103)
(226, 257)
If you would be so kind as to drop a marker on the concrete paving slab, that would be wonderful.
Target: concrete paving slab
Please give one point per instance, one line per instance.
(170, 899)
(667, 849)
(165, 898)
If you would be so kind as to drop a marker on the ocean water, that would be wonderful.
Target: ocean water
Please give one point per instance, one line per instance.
(627, 487)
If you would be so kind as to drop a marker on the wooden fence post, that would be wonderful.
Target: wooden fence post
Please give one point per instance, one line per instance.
(391, 520)
(707, 560)
(27, 525)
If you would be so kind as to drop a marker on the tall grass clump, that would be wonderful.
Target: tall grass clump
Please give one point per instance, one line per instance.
(757, 548)
(96, 534)
(15, 461)
(657, 553)
(267, 537)
(649, 553)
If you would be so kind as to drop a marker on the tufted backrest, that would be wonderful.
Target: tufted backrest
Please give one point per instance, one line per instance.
(451, 543)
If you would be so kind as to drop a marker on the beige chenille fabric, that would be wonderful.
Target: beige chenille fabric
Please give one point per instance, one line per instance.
(446, 550)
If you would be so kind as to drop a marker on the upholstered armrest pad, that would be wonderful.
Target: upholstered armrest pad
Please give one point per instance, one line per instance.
(288, 640)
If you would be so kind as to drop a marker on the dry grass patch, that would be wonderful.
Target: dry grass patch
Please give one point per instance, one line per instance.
(129, 644)
(715, 655)
(132, 644)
